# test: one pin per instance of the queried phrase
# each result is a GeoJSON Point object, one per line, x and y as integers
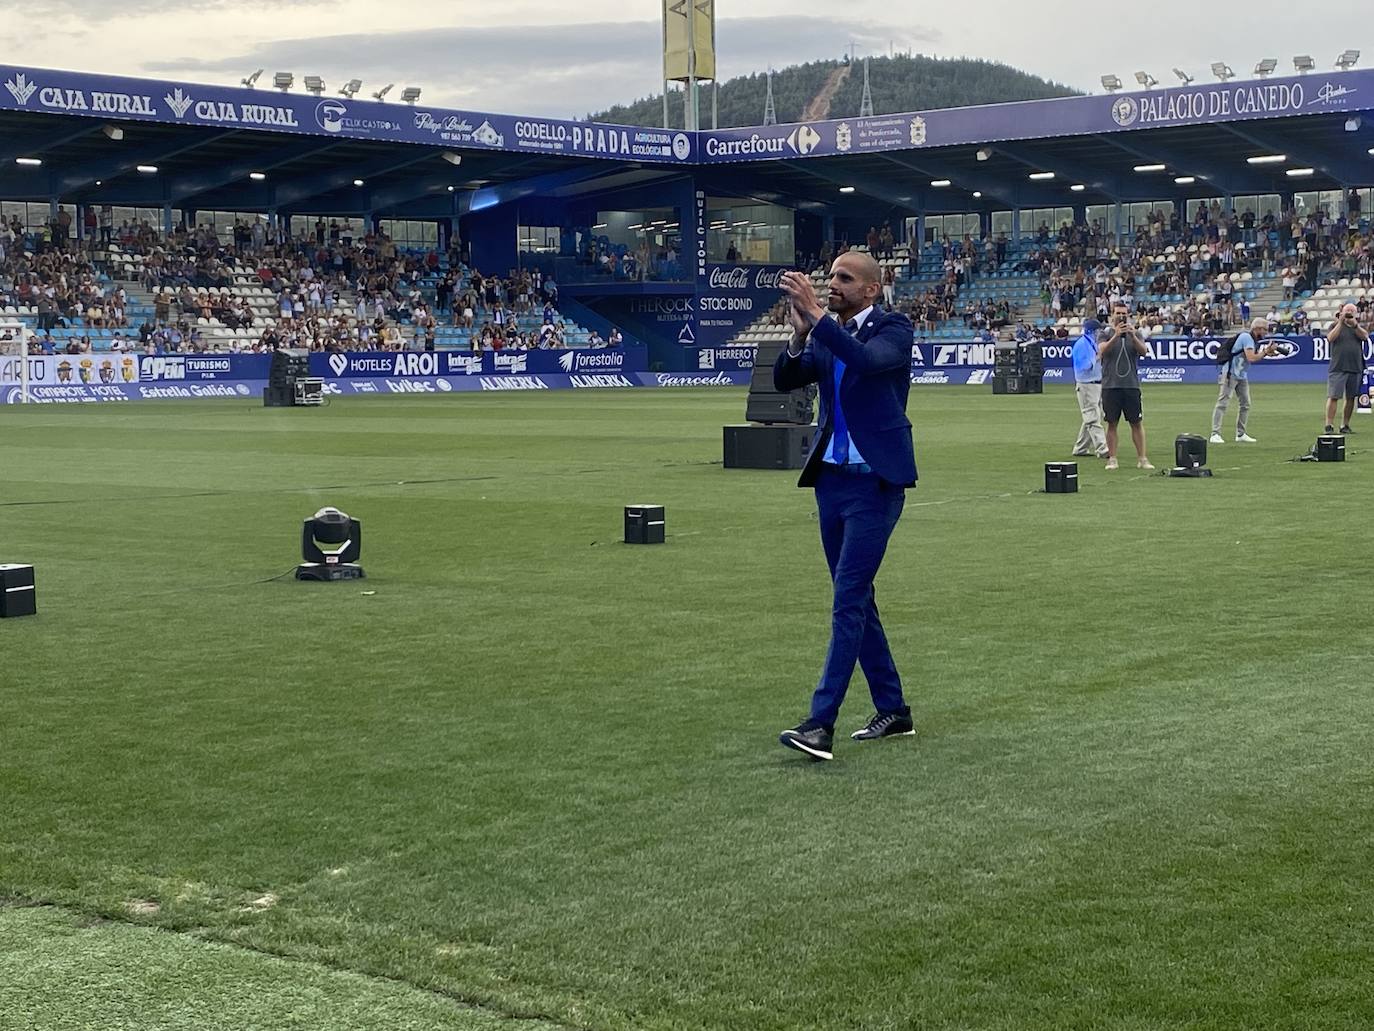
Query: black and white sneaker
{"type": "Point", "coordinates": [815, 739]}
{"type": "Point", "coordinates": [886, 724]}
{"type": "Point", "coordinates": [1346, 429]}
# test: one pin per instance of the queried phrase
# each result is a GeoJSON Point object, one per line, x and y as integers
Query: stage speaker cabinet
{"type": "Point", "coordinates": [793, 407]}
{"type": "Point", "coordinates": [785, 446]}
{"type": "Point", "coordinates": [17, 592]}
{"type": "Point", "coordinates": [288, 363]}
{"type": "Point", "coordinates": [1061, 477]}
{"type": "Point", "coordinates": [1015, 384]}
{"type": "Point", "coordinates": [278, 397]}
{"type": "Point", "coordinates": [644, 524]}
{"type": "Point", "coordinates": [1330, 448]}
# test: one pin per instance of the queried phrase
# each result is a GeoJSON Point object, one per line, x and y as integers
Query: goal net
{"type": "Point", "coordinates": [14, 362]}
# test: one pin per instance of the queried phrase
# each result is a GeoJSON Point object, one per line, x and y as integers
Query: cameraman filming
{"type": "Point", "coordinates": [1120, 350]}
{"type": "Point", "coordinates": [1343, 375]}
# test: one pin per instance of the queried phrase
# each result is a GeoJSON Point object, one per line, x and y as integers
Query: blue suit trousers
{"type": "Point", "coordinates": [857, 516]}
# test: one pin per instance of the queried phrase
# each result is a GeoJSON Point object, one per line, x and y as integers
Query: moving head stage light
{"type": "Point", "coordinates": [1190, 456]}
{"type": "Point", "coordinates": [331, 542]}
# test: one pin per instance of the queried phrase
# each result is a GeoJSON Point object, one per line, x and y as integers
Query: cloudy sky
{"type": "Point", "coordinates": [564, 60]}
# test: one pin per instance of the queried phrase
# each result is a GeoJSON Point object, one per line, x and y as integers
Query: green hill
{"type": "Point", "coordinates": [904, 83]}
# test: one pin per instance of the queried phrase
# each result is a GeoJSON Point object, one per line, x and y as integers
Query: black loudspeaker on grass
{"type": "Point", "coordinates": [1190, 457]}
{"type": "Point", "coordinates": [644, 524]}
{"type": "Point", "coordinates": [18, 596]}
{"type": "Point", "coordinates": [1061, 477]}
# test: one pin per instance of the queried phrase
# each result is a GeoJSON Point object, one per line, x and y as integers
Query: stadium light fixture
{"type": "Point", "coordinates": [977, 194]}
{"type": "Point", "coordinates": [381, 93]}
{"type": "Point", "coordinates": [252, 80]}
{"type": "Point", "coordinates": [1185, 180]}
{"type": "Point", "coordinates": [410, 94]}
{"type": "Point", "coordinates": [1352, 124]}
{"type": "Point", "coordinates": [937, 183]}
{"type": "Point", "coordinates": [1266, 159]}
{"type": "Point", "coordinates": [148, 169]}
{"type": "Point", "coordinates": [452, 157]}
{"type": "Point", "coordinates": [1183, 77]}
{"type": "Point", "coordinates": [257, 177]}
{"type": "Point", "coordinates": [1370, 152]}
{"type": "Point", "coordinates": [28, 162]}
{"type": "Point", "coordinates": [1222, 71]}
{"type": "Point", "coordinates": [357, 182]}
{"type": "Point", "coordinates": [100, 182]}
{"type": "Point", "coordinates": [1303, 63]}
{"type": "Point", "coordinates": [1078, 187]}
{"type": "Point", "coordinates": [1146, 79]}
{"type": "Point", "coordinates": [1300, 173]}
{"type": "Point", "coordinates": [1111, 83]}
{"type": "Point", "coordinates": [283, 81]}
{"type": "Point", "coordinates": [350, 88]}
{"type": "Point", "coordinates": [846, 189]}
{"type": "Point", "coordinates": [314, 84]}
{"type": "Point", "coordinates": [1150, 168]}
{"type": "Point", "coordinates": [1347, 60]}
{"type": "Point", "coordinates": [1266, 67]}
{"type": "Point", "coordinates": [112, 132]}
{"type": "Point", "coordinates": [1038, 176]}
{"type": "Point", "coordinates": [983, 153]}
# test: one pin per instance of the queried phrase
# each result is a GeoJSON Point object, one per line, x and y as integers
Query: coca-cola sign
{"type": "Point", "coordinates": [722, 278]}
{"type": "Point", "coordinates": [768, 279]}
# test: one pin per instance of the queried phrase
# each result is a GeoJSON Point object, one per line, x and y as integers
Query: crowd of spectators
{"type": "Point", "coordinates": [333, 290]}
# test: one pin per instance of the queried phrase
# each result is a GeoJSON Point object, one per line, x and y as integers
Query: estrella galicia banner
{"type": "Point", "coordinates": [104, 96]}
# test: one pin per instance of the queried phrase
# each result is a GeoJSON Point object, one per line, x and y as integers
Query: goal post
{"type": "Point", "coordinates": [14, 361]}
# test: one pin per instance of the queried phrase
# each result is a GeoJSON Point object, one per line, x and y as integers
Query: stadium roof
{"type": "Point", "coordinates": [414, 161]}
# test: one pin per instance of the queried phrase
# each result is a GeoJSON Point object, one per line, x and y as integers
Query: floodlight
{"type": "Point", "coordinates": [1222, 71]}
{"type": "Point", "coordinates": [1183, 77]}
{"type": "Point", "coordinates": [937, 183]}
{"type": "Point", "coordinates": [357, 182]}
{"type": "Point", "coordinates": [1300, 173]}
{"type": "Point", "coordinates": [1078, 187]}
{"type": "Point", "coordinates": [251, 81]}
{"type": "Point", "coordinates": [112, 132]}
{"type": "Point", "coordinates": [410, 94]}
{"type": "Point", "coordinates": [452, 158]}
{"type": "Point", "coordinates": [29, 162]}
{"type": "Point", "coordinates": [314, 84]}
{"type": "Point", "coordinates": [257, 177]}
{"type": "Point", "coordinates": [1303, 63]}
{"type": "Point", "coordinates": [1185, 180]}
{"type": "Point", "coordinates": [846, 189]}
{"type": "Point", "coordinates": [984, 153]}
{"type": "Point", "coordinates": [350, 88]}
{"type": "Point", "coordinates": [331, 542]}
{"type": "Point", "coordinates": [1111, 83]}
{"type": "Point", "coordinates": [1352, 124]}
{"type": "Point", "coordinates": [1347, 60]}
{"type": "Point", "coordinates": [1040, 175]}
{"type": "Point", "coordinates": [1266, 159]}
{"type": "Point", "coordinates": [381, 93]}
{"type": "Point", "coordinates": [1146, 79]}
{"type": "Point", "coordinates": [977, 194]}
{"type": "Point", "coordinates": [283, 81]}
{"type": "Point", "coordinates": [148, 169]}
{"type": "Point", "coordinates": [1149, 168]}
{"type": "Point", "coordinates": [1266, 67]}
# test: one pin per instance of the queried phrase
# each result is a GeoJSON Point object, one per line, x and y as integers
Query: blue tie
{"type": "Point", "coordinates": [842, 427]}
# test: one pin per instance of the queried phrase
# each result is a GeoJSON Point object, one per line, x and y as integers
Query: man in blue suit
{"type": "Point", "coordinates": [860, 466]}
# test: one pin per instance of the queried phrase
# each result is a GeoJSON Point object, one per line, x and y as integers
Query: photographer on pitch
{"type": "Point", "coordinates": [1120, 350]}
{"type": "Point", "coordinates": [1343, 375]}
{"type": "Point", "coordinates": [1235, 379]}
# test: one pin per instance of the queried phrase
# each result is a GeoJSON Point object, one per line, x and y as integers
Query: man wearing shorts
{"type": "Point", "coordinates": [1120, 350]}
{"type": "Point", "coordinates": [1343, 375]}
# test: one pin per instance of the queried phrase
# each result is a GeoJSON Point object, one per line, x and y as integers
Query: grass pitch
{"type": "Point", "coordinates": [533, 780]}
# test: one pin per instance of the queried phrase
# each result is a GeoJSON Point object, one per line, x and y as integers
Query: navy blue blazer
{"type": "Point", "coordinates": [877, 380]}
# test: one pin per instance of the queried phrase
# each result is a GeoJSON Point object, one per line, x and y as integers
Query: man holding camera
{"type": "Point", "coordinates": [1235, 379]}
{"type": "Point", "coordinates": [1343, 375]}
{"type": "Point", "coordinates": [1120, 350]}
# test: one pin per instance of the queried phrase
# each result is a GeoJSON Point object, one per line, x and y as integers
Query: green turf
{"type": "Point", "coordinates": [537, 772]}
